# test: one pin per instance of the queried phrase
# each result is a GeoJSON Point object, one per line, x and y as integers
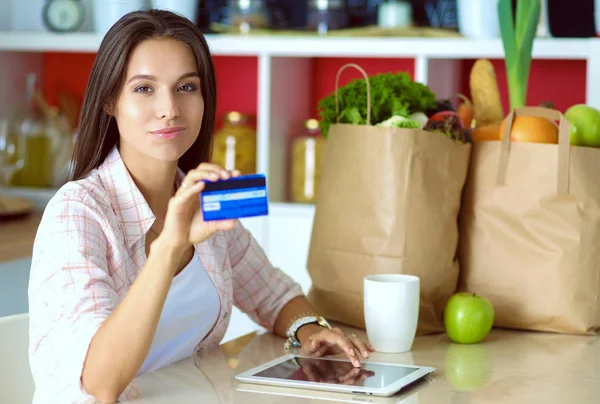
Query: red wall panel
{"type": "Point", "coordinates": [237, 80]}
{"type": "Point", "coordinates": [560, 81]}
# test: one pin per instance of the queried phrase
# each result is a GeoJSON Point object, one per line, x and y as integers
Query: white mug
{"type": "Point", "coordinates": [108, 12]}
{"type": "Point", "coordinates": [185, 8]}
{"type": "Point", "coordinates": [391, 304]}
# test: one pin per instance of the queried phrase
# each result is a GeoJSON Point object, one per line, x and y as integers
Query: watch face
{"type": "Point", "coordinates": [63, 15]}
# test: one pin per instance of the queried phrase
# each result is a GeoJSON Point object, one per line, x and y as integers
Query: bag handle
{"type": "Point", "coordinates": [337, 83]}
{"type": "Point", "coordinates": [564, 144]}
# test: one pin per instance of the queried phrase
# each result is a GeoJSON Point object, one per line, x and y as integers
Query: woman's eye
{"type": "Point", "coordinates": [143, 89]}
{"type": "Point", "coordinates": [187, 87]}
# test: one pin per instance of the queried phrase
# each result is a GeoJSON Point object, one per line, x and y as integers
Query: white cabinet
{"type": "Point", "coordinates": [289, 239]}
{"type": "Point", "coordinates": [14, 281]}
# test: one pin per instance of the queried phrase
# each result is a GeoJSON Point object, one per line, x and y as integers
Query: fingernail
{"type": "Point", "coordinates": [314, 343]}
{"type": "Point", "coordinates": [366, 354]}
{"type": "Point", "coordinates": [352, 353]}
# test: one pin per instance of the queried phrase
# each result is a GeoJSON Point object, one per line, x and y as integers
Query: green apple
{"type": "Point", "coordinates": [468, 367]}
{"type": "Point", "coordinates": [468, 318]}
{"type": "Point", "coordinates": [585, 125]}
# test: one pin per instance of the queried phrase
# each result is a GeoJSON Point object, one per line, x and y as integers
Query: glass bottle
{"type": "Point", "coordinates": [27, 130]}
{"type": "Point", "coordinates": [307, 152]}
{"type": "Point", "coordinates": [234, 145]}
{"type": "Point", "coordinates": [247, 14]}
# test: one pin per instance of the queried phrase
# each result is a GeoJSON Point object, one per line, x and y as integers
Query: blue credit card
{"type": "Point", "coordinates": [244, 196]}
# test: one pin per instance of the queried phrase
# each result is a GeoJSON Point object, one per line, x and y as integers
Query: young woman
{"type": "Point", "coordinates": [126, 276]}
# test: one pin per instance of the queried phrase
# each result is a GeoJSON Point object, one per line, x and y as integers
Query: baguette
{"type": "Point", "coordinates": [485, 94]}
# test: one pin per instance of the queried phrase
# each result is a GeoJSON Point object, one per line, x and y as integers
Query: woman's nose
{"type": "Point", "coordinates": [167, 107]}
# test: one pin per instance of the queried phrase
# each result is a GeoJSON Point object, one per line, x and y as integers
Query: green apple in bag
{"type": "Point", "coordinates": [585, 125]}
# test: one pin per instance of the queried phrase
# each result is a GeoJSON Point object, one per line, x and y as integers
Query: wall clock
{"type": "Point", "coordinates": [63, 15]}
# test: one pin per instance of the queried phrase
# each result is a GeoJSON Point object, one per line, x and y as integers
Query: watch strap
{"type": "Point", "coordinates": [292, 331]}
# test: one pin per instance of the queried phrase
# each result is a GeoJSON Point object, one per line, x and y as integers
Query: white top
{"type": "Point", "coordinates": [190, 311]}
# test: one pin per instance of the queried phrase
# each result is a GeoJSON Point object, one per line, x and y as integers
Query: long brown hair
{"type": "Point", "coordinates": [97, 129]}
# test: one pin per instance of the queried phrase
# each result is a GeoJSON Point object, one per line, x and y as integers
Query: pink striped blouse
{"type": "Point", "coordinates": [88, 250]}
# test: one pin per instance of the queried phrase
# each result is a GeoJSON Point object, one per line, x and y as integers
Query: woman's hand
{"type": "Point", "coordinates": [184, 225]}
{"type": "Point", "coordinates": [319, 341]}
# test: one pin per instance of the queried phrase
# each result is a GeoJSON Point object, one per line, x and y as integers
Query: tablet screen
{"type": "Point", "coordinates": [336, 372]}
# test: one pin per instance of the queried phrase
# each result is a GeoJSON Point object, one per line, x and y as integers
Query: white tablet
{"type": "Point", "coordinates": [339, 375]}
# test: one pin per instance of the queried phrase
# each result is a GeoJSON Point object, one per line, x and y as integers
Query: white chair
{"type": "Point", "coordinates": [16, 382]}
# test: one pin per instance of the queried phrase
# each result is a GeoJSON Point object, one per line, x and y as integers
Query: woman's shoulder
{"type": "Point", "coordinates": [78, 216]}
{"type": "Point", "coordinates": [85, 195]}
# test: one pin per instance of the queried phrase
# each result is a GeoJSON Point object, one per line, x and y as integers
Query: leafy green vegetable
{"type": "Point", "coordinates": [391, 94]}
{"type": "Point", "coordinates": [398, 121]}
{"type": "Point", "coordinates": [518, 43]}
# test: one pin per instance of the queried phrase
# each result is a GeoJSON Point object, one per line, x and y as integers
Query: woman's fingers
{"type": "Point", "coordinates": [321, 351]}
{"type": "Point", "coordinates": [360, 345]}
{"type": "Point", "coordinates": [185, 195]}
{"type": "Point", "coordinates": [205, 172]}
{"type": "Point", "coordinates": [210, 167]}
{"type": "Point", "coordinates": [214, 226]}
{"type": "Point", "coordinates": [334, 338]}
{"type": "Point", "coordinates": [363, 347]}
{"type": "Point", "coordinates": [312, 347]}
{"type": "Point", "coordinates": [317, 350]}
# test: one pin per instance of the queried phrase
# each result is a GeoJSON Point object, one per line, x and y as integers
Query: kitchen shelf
{"type": "Point", "coordinates": [302, 46]}
{"type": "Point", "coordinates": [286, 67]}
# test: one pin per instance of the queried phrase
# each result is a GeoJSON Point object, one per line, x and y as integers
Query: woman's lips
{"type": "Point", "coordinates": [168, 133]}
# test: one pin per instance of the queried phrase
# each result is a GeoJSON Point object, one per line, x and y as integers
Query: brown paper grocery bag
{"type": "Point", "coordinates": [530, 231]}
{"type": "Point", "coordinates": [388, 203]}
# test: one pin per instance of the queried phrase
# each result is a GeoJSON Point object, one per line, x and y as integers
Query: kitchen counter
{"type": "Point", "coordinates": [508, 367]}
{"type": "Point", "coordinates": [17, 235]}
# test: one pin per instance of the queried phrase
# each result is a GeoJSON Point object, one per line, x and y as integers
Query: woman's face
{"type": "Point", "coordinates": [160, 106]}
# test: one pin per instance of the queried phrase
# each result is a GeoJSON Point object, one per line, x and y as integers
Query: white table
{"type": "Point", "coordinates": [508, 367]}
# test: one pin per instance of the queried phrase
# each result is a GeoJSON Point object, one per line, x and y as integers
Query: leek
{"type": "Point", "coordinates": [518, 44]}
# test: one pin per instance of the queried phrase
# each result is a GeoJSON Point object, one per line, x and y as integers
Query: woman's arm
{"type": "Point", "coordinates": [295, 307]}
{"type": "Point", "coordinates": [120, 346]}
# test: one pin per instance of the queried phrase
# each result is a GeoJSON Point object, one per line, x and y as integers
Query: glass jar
{"type": "Point", "coordinates": [326, 15]}
{"type": "Point", "coordinates": [27, 131]}
{"type": "Point", "coordinates": [305, 173]}
{"type": "Point", "coordinates": [234, 145]}
{"type": "Point", "coordinates": [247, 14]}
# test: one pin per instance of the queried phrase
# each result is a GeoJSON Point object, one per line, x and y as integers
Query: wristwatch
{"type": "Point", "coordinates": [292, 332]}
